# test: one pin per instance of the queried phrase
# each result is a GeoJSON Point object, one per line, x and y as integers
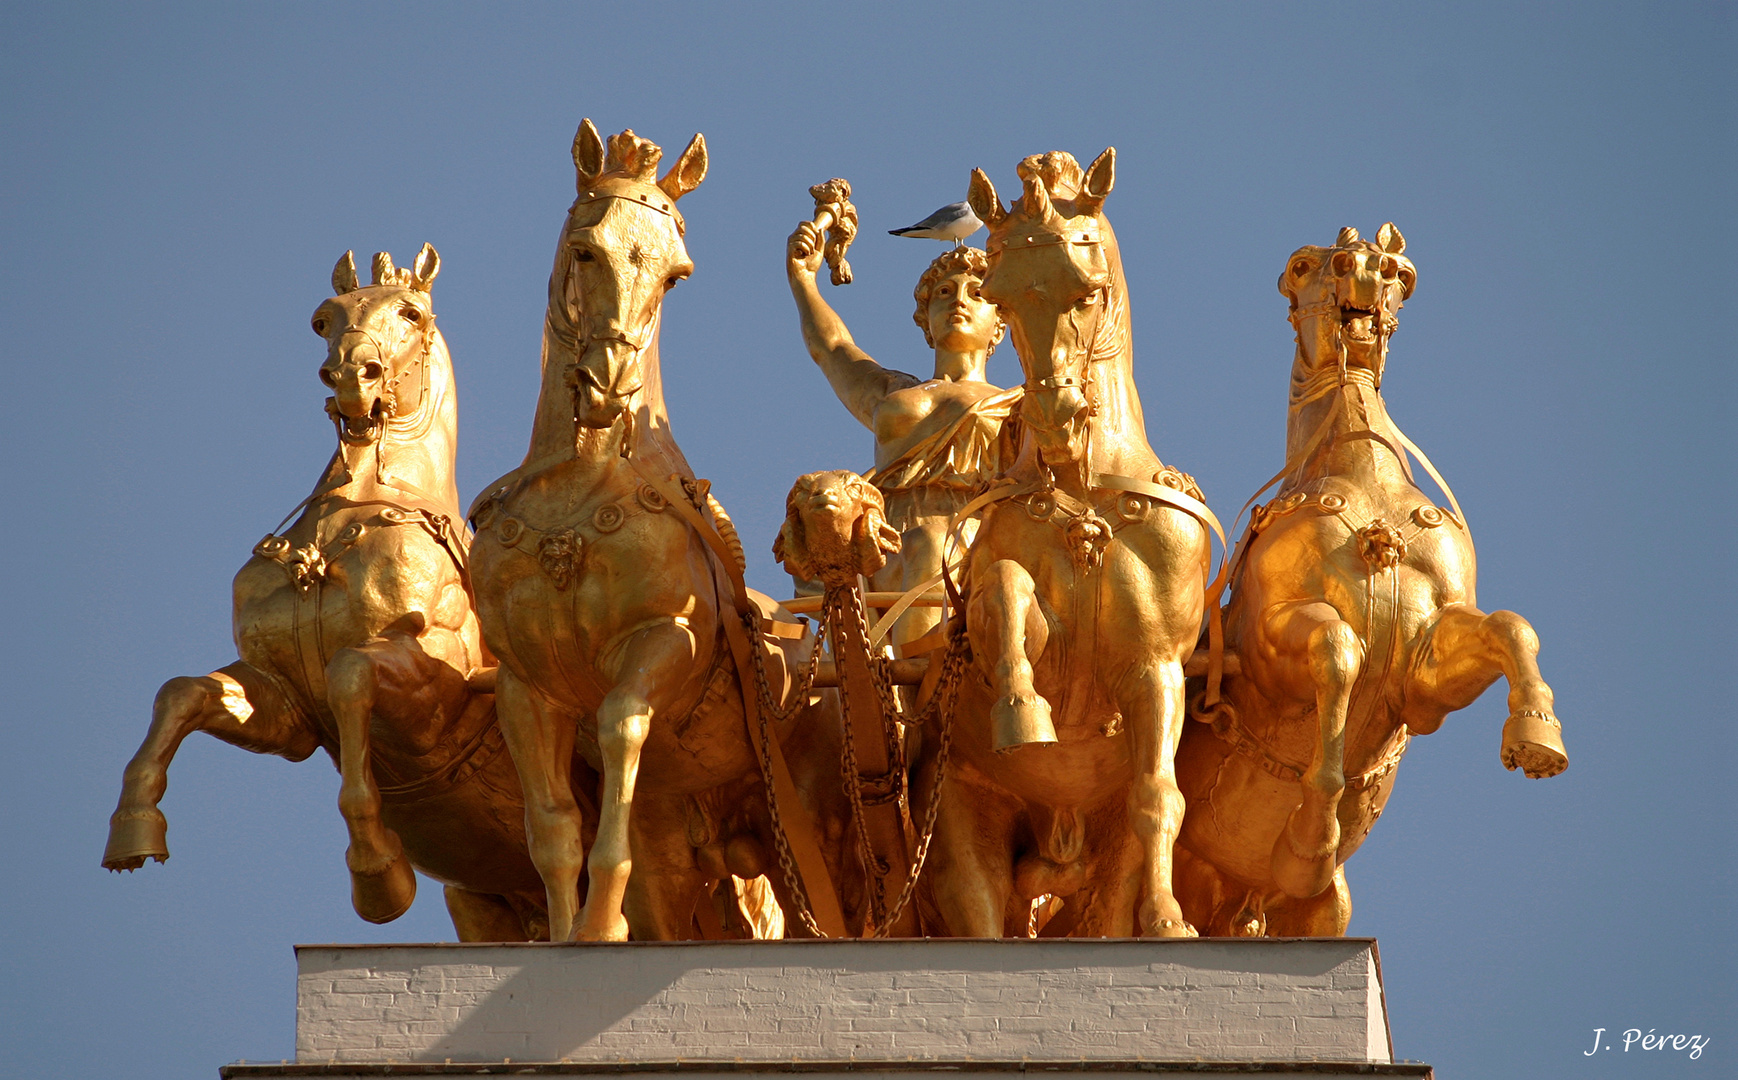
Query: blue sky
{"type": "Point", "coordinates": [177, 181]}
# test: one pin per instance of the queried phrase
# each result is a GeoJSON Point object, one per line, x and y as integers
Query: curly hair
{"type": "Point", "coordinates": [960, 260]}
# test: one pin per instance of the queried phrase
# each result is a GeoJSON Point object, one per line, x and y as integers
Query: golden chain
{"type": "Point", "coordinates": [941, 705]}
{"type": "Point", "coordinates": [786, 861]}
{"type": "Point", "coordinates": [952, 673]}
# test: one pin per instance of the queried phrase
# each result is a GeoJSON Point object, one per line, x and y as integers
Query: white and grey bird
{"type": "Point", "coordinates": [955, 222]}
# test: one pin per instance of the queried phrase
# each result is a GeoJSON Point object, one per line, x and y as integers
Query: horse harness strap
{"type": "Point", "coordinates": [1233, 735]}
{"type": "Point", "coordinates": [307, 564]}
{"type": "Point", "coordinates": [803, 837]}
{"type": "Point", "coordinates": [481, 749]}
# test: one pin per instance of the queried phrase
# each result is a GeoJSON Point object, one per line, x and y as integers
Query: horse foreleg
{"type": "Point", "coordinates": [1153, 705]}
{"type": "Point", "coordinates": [1468, 650]}
{"type": "Point", "coordinates": [1009, 630]}
{"type": "Point", "coordinates": [1305, 854]}
{"type": "Point", "coordinates": [391, 675]}
{"type": "Point", "coordinates": [541, 742]}
{"type": "Point", "coordinates": [236, 704]}
{"type": "Point", "coordinates": [660, 656]}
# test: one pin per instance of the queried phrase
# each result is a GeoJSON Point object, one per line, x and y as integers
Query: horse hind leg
{"type": "Point", "coordinates": [1324, 915]}
{"type": "Point", "coordinates": [484, 916]}
{"type": "Point", "coordinates": [1468, 650]}
{"type": "Point", "coordinates": [1305, 856]}
{"type": "Point", "coordinates": [235, 704]}
{"type": "Point", "coordinates": [1009, 630]}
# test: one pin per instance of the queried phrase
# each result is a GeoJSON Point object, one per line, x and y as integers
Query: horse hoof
{"type": "Point", "coordinates": [1169, 928]}
{"type": "Point", "coordinates": [1015, 723]}
{"type": "Point", "coordinates": [135, 836]}
{"type": "Point", "coordinates": [615, 930]}
{"type": "Point", "coordinates": [1533, 743]}
{"type": "Point", "coordinates": [382, 895]}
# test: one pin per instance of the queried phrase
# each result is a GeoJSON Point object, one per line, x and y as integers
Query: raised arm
{"type": "Point", "coordinates": [857, 379]}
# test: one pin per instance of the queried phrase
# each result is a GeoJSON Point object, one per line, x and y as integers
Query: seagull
{"type": "Point", "coordinates": [955, 222]}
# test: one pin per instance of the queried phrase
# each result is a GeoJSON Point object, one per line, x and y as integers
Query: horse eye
{"type": "Point", "coordinates": [584, 255]}
{"type": "Point", "coordinates": [410, 315]}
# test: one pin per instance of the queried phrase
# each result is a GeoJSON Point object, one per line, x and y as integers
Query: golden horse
{"type": "Point", "coordinates": [356, 636]}
{"type": "Point", "coordinates": [1084, 598]}
{"type": "Point", "coordinates": [609, 583]}
{"type": "Point", "coordinates": [1354, 625]}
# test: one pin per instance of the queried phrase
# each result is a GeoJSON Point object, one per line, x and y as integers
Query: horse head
{"type": "Point", "coordinates": [1345, 304]}
{"type": "Point", "coordinates": [1051, 274]}
{"type": "Point", "coordinates": [378, 339]}
{"type": "Point", "coordinates": [621, 251]}
{"type": "Point", "coordinates": [835, 529]}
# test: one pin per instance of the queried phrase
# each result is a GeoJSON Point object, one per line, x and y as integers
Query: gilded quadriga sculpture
{"type": "Point", "coordinates": [1020, 707]}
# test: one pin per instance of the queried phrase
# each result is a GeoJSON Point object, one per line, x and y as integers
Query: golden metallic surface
{"type": "Point", "coordinates": [1354, 619]}
{"type": "Point", "coordinates": [985, 732]}
{"type": "Point", "coordinates": [1084, 601]}
{"type": "Point", "coordinates": [609, 584]}
{"type": "Point", "coordinates": [937, 439]}
{"type": "Point", "coordinates": [356, 636]}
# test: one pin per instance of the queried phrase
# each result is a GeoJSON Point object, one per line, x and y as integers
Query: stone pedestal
{"type": "Point", "coordinates": [1225, 1007]}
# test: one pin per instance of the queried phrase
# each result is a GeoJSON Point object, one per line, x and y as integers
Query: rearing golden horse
{"type": "Point", "coordinates": [356, 635]}
{"type": "Point", "coordinates": [609, 584]}
{"type": "Point", "coordinates": [1085, 598]}
{"type": "Point", "coordinates": [1354, 623]}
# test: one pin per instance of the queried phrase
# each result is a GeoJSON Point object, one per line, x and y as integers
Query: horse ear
{"type": "Point", "coordinates": [384, 271]}
{"type": "Point", "coordinates": [1388, 238]}
{"type": "Point", "coordinates": [344, 275]}
{"type": "Point", "coordinates": [1100, 179]}
{"type": "Point", "coordinates": [587, 154]}
{"type": "Point", "coordinates": [1348, 235]}
{"type": "Point", "coordinates": [689, 170]}
{"type": "Point", "coordinates": [428, 264]}
{"type": "Point", "coordinates": [984, 201]}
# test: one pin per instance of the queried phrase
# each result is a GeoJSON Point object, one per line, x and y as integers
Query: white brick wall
{"type": "Point", "coordinates": [1056, 1001]}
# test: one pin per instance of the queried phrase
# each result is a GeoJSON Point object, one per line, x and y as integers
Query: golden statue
{"type": "Point", "coordinates": [1085, 591]}
{"type": "Point", "coordinates": [1352, 623]}
{"type": "Point", "coordinates": [609, 583]}
{"type": "Point", "coordinates": [937, 440]}
{"type": "Point", "coordinates": [664, 753]}
{"type": "Point", "coordinates": [356, 636]}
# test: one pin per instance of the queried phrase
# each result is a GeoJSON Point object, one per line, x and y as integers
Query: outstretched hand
{"type": "Point", "coordinates": [805, 249]}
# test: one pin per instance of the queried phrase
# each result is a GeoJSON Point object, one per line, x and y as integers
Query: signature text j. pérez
{"type": "Point", "coordinates": [1695, 1044]}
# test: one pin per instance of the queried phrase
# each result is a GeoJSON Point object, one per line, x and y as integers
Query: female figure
{"type": "Point", "coordinates": [936, 440]}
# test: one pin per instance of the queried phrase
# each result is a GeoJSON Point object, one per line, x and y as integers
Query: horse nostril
{"type": "Point", "coordinates": [371, 370]}
{"type": "Point", "coordinates": [328, 378]}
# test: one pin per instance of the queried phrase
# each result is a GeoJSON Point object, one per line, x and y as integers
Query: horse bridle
{"type": "Point", "coordinates": [562, 327]}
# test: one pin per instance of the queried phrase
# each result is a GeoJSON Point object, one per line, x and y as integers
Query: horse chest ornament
{"type": "Point", "coordinates": [560, 549]}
